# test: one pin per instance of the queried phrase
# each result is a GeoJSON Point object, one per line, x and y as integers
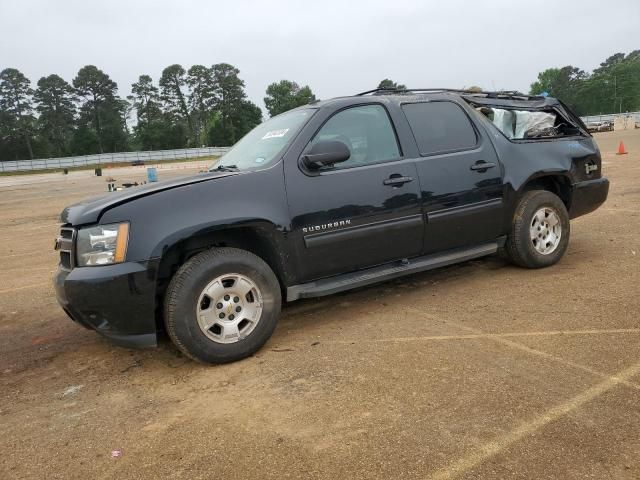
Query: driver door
{"type": "Point", "coordinates": [359, 213]}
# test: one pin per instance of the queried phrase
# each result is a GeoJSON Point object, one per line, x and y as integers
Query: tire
{"type": "Point", "coordinates": [539, 252]}
{"type": "Point", "coordinates": [202, 285]}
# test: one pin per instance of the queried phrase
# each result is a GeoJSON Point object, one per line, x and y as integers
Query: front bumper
{"type": "Point", "coordinates": [587, 196]}
{"type": "Point", "coordinates": [117, 301]}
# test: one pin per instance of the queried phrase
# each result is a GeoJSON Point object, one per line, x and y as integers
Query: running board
{"type": "Point", "coordinates": [347, 281]}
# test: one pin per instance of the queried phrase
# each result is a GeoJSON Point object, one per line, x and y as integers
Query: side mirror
{"type": "Point", "coordinates": [326, 152]}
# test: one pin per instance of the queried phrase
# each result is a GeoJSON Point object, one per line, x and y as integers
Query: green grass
{"type": "Point", "coordinates": [105, 166]}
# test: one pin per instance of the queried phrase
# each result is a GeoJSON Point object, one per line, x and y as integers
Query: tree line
{"type": "Point", "coordinates": [208, 106]}
{"type": "Point", "coordinates": [186, 108]}
{"type": "Point", "coordinates": [613, 87]}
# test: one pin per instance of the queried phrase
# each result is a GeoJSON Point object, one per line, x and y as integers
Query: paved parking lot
{"type": "Point", "coordinates": [481, 370]}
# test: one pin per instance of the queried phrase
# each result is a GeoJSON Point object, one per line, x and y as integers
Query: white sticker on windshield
{"type": "Point", "coordinates": [275, 133]}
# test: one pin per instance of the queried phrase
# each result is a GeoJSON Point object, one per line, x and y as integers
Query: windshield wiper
{"type": "Point", "coordinates": [226, 168]}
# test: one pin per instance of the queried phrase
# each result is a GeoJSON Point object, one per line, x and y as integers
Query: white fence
{"type": "Point", "coordinates": [609, 117]}
{"type": "Point", "coordinates": [102, 158]}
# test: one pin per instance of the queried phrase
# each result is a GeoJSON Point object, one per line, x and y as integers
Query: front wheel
{"type": "Point", "coordinates": [540, 230]}
{"type": "Point", "coordinates": [222, 305]}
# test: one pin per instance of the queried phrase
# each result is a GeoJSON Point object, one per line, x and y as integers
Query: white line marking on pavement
{"type": "Point", "coordinates": [498, 445]}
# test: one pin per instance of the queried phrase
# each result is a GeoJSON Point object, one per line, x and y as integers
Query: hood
{"type": "Point", "coordinates": [90, 210]}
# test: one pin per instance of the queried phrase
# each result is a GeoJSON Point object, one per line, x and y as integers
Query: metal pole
{"type": "Point", "coordinates": [615, 92]}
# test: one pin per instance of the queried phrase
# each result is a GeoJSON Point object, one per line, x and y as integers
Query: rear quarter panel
{"type": "Point", "coordinates": [524, 161]}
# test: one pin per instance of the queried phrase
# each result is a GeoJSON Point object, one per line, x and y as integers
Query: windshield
{"type": "Point", "coordinates": [261, 146]}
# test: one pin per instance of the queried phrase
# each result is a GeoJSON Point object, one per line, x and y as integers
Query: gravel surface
{"type": "Point", "coordinates": [480, 370]}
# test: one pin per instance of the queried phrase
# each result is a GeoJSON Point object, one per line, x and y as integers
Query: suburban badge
{"type": "Point", "coordinates": [326, 226]}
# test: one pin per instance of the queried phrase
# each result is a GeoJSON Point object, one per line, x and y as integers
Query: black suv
{"type": "Point", "coordinates": [330, 196]}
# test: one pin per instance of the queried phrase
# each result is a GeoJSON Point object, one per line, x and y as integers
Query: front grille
{"type": "Point", "coordinates": [65, 245]}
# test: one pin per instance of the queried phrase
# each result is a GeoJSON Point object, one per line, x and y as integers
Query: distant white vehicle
{"type": "Point", "coordinates": [606, 126]}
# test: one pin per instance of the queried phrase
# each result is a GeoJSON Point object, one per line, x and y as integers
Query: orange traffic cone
{"type": "Point", "coordinates": [621, 150]}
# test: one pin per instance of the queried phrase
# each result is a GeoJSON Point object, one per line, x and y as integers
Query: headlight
{"type": "Point", "coordinates": [102, 245]}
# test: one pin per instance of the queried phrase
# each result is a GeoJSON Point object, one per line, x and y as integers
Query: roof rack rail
{"type": "Point", "coordinates": [383, 89]}
{"type": "Point", "coordinates": [488, 94]}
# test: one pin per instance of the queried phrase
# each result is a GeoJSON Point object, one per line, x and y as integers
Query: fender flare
{"type": "Point", "coordinates": [270, 236]}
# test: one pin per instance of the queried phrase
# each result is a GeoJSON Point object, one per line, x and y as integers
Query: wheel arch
{"type": "Point", "coordinates": [259, 237]}
{"type": "Point", "coordinates": [558, 183]}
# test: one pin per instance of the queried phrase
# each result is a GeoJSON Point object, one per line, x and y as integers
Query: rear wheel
{"type": "Point", "coordinates": [540, 230]}
{"type": "Point", "coordinates": [222, 305]}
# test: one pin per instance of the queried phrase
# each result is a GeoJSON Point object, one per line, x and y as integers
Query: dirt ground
{"type": "Point", "coordinates": [481, 370]}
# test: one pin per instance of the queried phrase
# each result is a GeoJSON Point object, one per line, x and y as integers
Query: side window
{"type": "Point", "coordinates": [440, 127]}
{"type": "Point", "coordinates": [367, 132]}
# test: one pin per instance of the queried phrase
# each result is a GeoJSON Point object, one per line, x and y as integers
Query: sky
{"type": "Point", "coordinates": [336, 47]}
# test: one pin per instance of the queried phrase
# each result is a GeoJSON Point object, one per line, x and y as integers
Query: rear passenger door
{"type": "Point", "coordinates": [460, 176]}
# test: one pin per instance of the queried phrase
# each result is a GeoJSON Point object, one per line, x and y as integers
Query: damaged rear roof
{"type": "Point", "coordinates": [511, 102]}
{"type": "Point", "coordinates": [507, 98]}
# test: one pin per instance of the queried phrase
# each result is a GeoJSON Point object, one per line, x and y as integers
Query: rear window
{"type": "Point", "coordinates": [440, 127]}
{"type": "Point", "coordinates": [529, 124]}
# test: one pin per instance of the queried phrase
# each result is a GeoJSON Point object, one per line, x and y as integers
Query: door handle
{"type": "Point", "coordinates": [397, 180]}
{"type": "Point", "coordinates": [482, 166]}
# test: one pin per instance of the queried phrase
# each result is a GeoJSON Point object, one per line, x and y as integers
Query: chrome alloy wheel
{"type": "Point", "coordinates": [229, 308]}
{"type": "Point", "coordinates": [545, 230]}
